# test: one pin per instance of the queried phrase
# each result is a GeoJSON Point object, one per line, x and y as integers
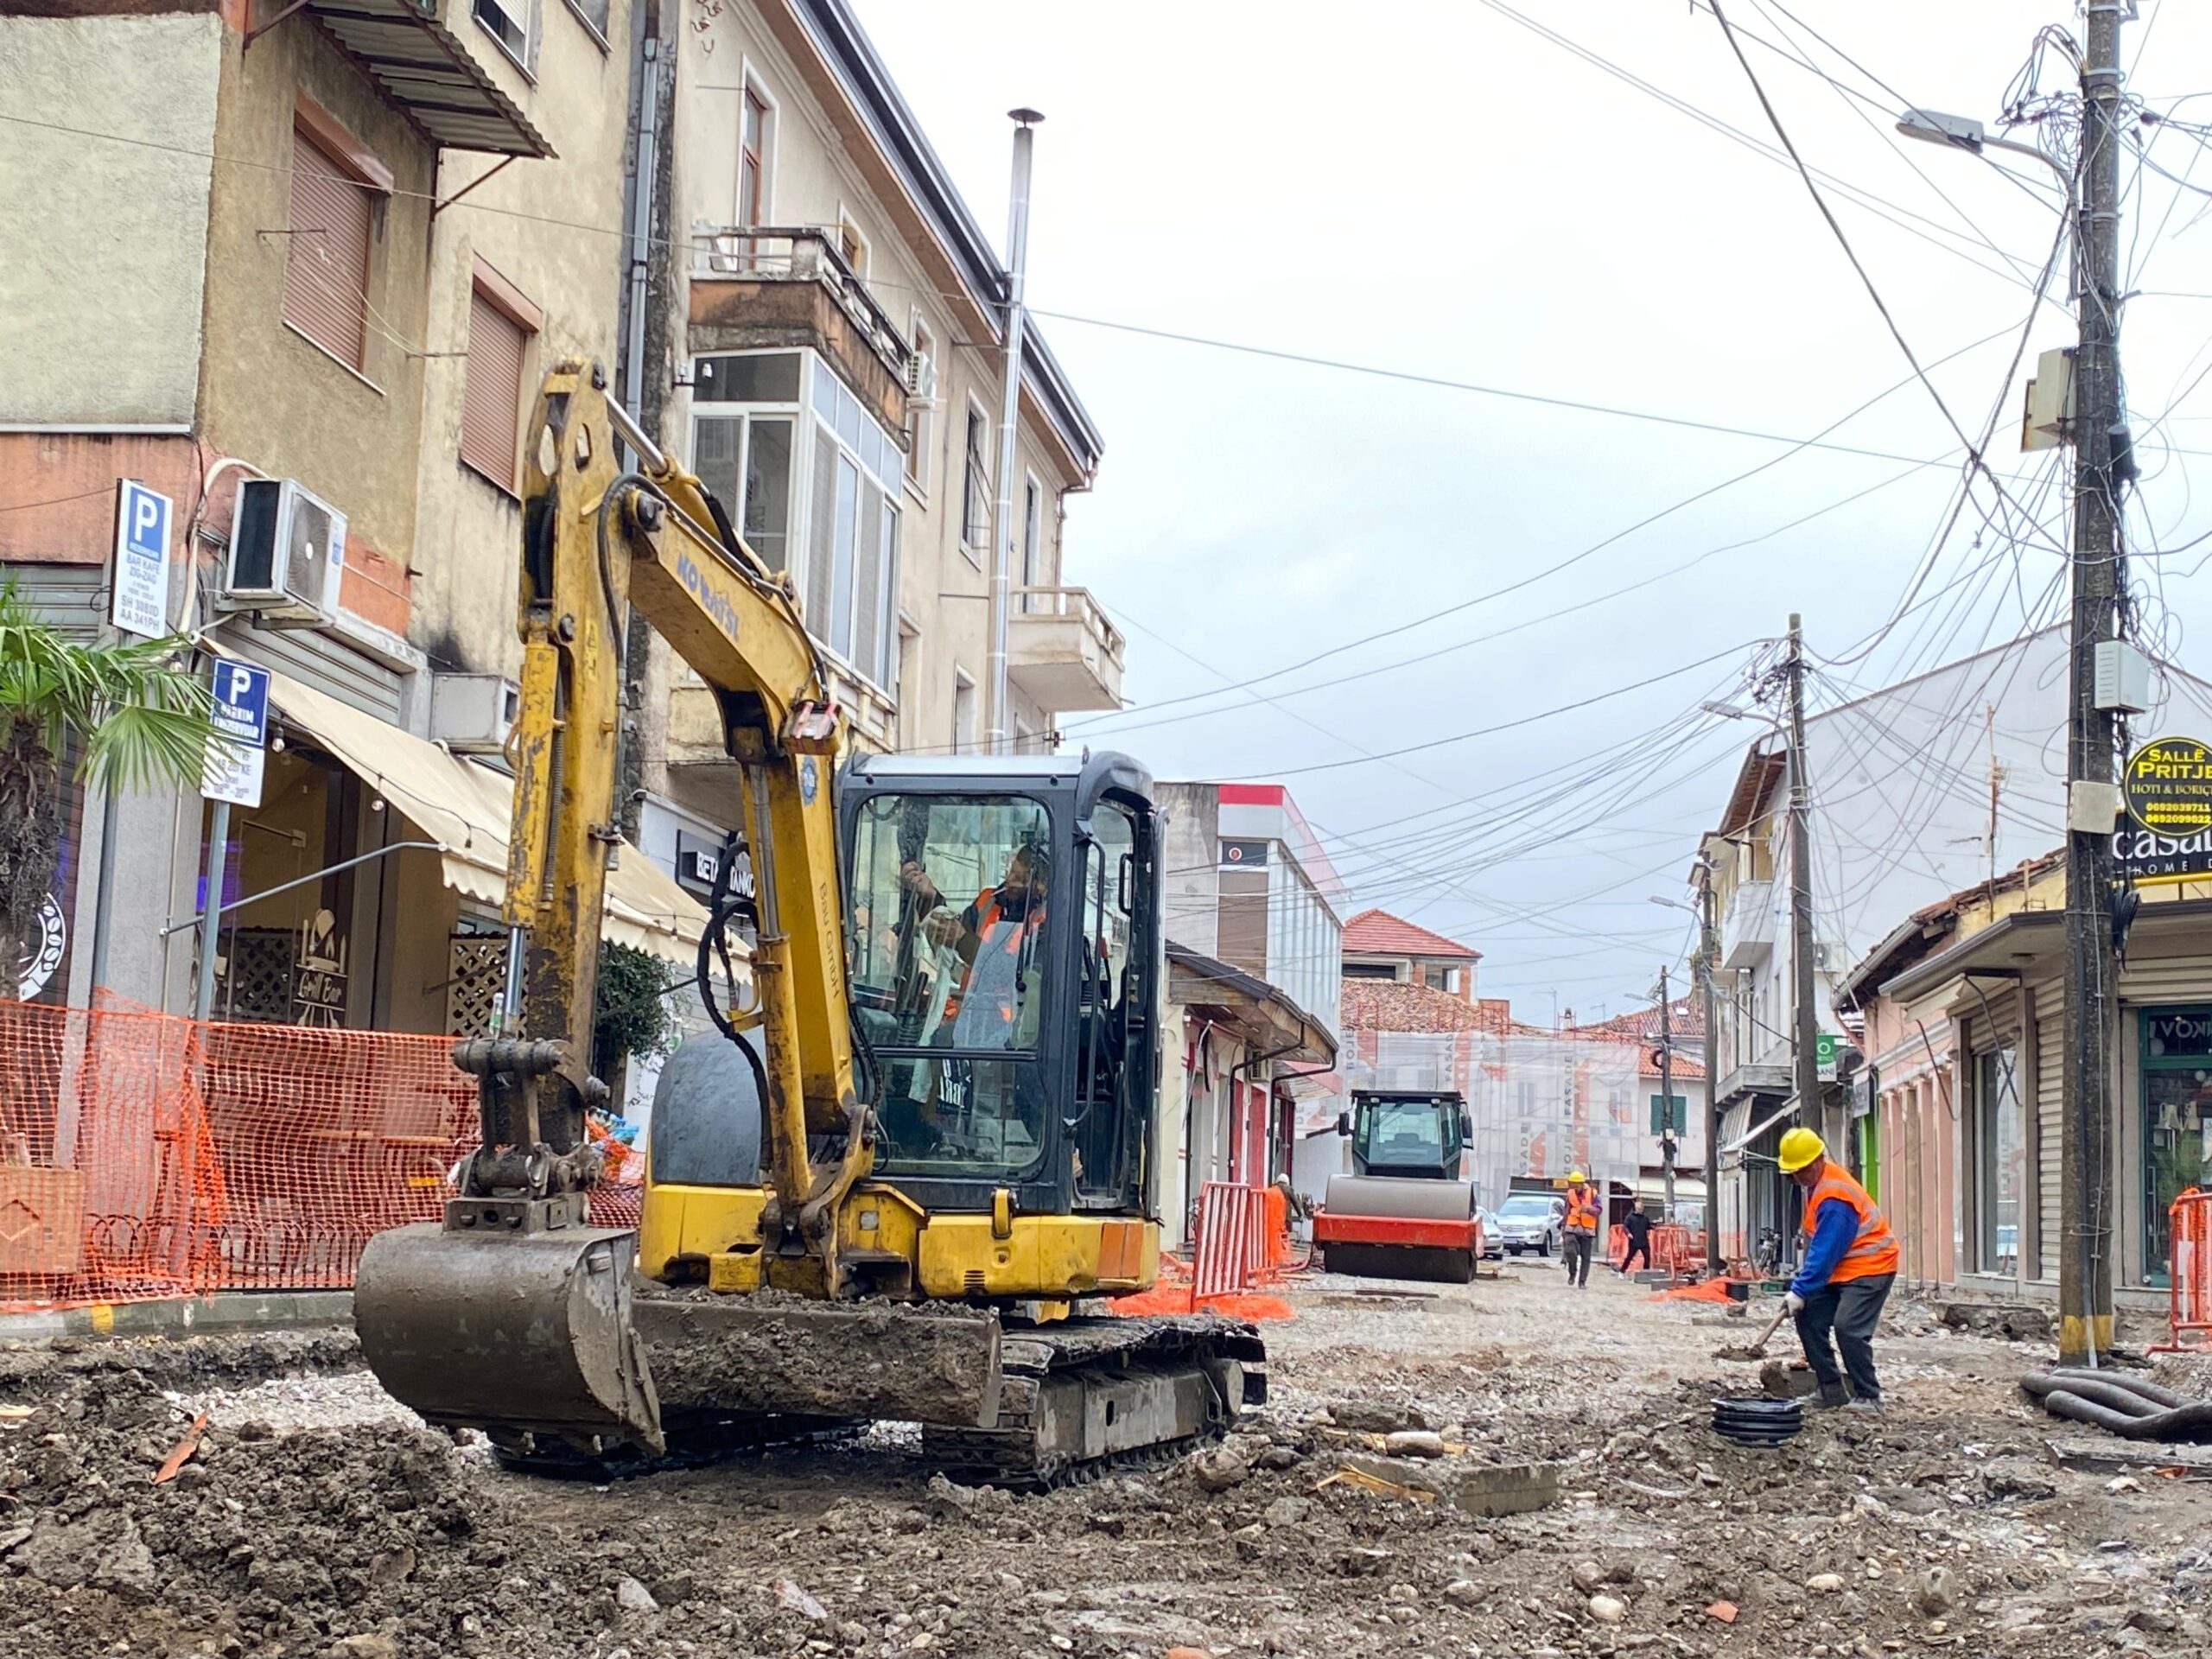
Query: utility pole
{"type": "Point", "coordinates": [1004, 530]}
{"type": "Point", "coordinates": [1667, 1147]}
{"type": "Point", "coordinates": [1708, 955]}
{"type": "Point", "coordinates": [1806, 1042]}
{"type": "Point", "coordinates": [2085, 1147]}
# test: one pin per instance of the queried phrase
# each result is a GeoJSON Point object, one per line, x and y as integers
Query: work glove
{"type": "Point", "coordinates": [1793, 1304]}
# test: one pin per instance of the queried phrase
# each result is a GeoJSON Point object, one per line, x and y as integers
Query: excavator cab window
{"type": "Point", "coordinates": [952, 935]}
{"type": "Point", "coordinates": [1111, 967]}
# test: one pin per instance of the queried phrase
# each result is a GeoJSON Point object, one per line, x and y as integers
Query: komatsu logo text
{"type": "Point", "coordinates": [711, 599]}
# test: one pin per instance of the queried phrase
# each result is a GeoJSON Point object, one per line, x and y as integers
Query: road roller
{"type": "Point", "coordinates": [1405, 1212]}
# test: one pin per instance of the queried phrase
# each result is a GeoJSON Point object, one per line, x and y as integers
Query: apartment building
{"type": "Point", "coordinates": [1255, 916]}
{"type": "Point", "coordinates": [823, 337]}
{"type": "Point", "coordinates": [313, 260]}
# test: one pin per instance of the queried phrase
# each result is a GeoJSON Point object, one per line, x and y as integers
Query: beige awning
{"type": "Point", "coordinates": [465, 808]}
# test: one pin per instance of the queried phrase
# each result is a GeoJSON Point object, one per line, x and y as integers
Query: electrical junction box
{"type": "Point", "coordinates": [2048, 420]}
{"type": "Point", "coordinates": [2122, 677]}
{"type": "Point", "coordinates": [2092, 809]}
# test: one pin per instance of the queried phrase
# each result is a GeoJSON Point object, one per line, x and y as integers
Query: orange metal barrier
{"type": "Point", "coordinates": [146, 1156]}
{"type": "Point", "coordinates": [1676, 1248]}
{"type": "Point", "coordinates": [1233, 1246]}
{"type": "Point", "coordinates": [2189, 1274]}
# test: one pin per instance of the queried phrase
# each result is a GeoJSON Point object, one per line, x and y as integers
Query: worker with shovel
{"type": "Point", "coordinates": [1850, 1264]}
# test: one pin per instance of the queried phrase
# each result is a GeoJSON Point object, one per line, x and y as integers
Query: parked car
{"type": "Point", "coordinates": [1530, 1221]}
{"type": "Point", "coordinates": [1493, 1239]}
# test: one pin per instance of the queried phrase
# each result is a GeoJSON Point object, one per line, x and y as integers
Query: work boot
{"type": "Point", "coordinates": [1872, 1406]}
{"type": "Point", "coordinates": [1832, 1396]}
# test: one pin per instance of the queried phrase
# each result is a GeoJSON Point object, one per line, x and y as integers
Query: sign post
{"type": "Point", "coordinates": [141, 600]}
{"type": "Point", "coordinates": [231, 776]}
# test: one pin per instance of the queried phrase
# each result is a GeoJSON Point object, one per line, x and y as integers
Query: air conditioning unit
{"type": "Point", "coordinates": [471, 714]}
{"type": "Point", "coordinates": [921, 381]}
{"type": "Point", "coordinates": [287, 555]}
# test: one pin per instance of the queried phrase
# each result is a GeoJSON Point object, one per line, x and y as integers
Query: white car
{"type": "Point", "coordinates": [1530, 1221]}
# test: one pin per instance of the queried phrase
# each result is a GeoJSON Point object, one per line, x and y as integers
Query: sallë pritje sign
{"type": "Point", "coordinates": [2168, 784]}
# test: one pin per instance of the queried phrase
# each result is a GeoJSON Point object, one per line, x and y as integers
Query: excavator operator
{"type": "Point", "coordinates": [997, 937]}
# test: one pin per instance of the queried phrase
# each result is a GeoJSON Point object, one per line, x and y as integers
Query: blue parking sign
{"type": "Point", "coordinates": [241, 714]}
{"type": "Point", "coordinates": [142, 561]}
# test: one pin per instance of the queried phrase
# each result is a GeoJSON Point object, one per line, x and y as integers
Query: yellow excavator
{"type": "Point", "coordinates": [898, 1182]}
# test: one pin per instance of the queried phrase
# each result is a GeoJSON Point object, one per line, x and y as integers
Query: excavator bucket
{"type": "Point", "coordinates": [522, 1332]}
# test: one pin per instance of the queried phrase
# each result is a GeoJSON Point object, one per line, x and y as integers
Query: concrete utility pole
{"type": "Point", "coordinates": [1667, 1147]}
{"type": "Point", "coordinates": [2085, 1146]}
{"type": "Point", "coordinates": [1708, 956]}
{"type": "Point", "coordinates": [1004, 531]}
{"type": "Point", "coordinates": [1806, 1042]}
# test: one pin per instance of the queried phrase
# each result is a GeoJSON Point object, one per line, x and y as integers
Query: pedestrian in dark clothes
{"type": "Point", "coordinates": [1637, 1226]}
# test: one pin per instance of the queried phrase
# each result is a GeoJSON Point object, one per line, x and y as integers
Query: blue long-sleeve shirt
{"type": "Point", "coordinates": [1836, 1226]}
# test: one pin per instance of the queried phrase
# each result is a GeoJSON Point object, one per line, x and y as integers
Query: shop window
{"type": "Point", "coordinates": [1999, 1160]}
{"type": "Point", "coordinates": [2176, 1055]}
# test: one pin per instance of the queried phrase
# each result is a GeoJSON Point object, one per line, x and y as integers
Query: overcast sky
{"type": "Point", "coordinates": [1439, 189]}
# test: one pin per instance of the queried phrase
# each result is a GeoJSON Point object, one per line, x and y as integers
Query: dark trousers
{"type": "Point", "coordinates": [1851, 1310]}
{"type": "Point", "coordinates": [1578, 1247]}
{"type": "Point", "coordinates": [1636, 1246]}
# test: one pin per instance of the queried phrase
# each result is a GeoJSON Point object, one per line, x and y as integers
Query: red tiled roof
{"type": "Point", "coordinates": [1395, 1005]}
{"type": "Point", "coordinates": [1378, 933]}
{"type": "Point", "coordinates": [1641, 1025]}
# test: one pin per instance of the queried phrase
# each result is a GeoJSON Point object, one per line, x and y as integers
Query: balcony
{"type": "Point", "coordinates": [431, 59]}
{"type": "Point", "coordinates": [1747, 930]}
{"type": "Point", "coordinates": [783, 286]}
{"type": "Point", "coordinates": [1062, 653]}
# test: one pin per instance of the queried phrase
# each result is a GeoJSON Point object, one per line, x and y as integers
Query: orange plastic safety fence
{"type": "Point", "coordinates": [2189, 1267]}
{"type": "Point", "coordinates": [144, 1154]}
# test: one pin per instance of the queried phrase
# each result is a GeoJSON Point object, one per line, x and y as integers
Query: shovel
{"type": "Point", "coordinates": [1758, 1349]}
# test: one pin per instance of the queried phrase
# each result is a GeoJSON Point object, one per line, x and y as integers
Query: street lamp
{"type": "Point", "coordinates": [1964, 132]}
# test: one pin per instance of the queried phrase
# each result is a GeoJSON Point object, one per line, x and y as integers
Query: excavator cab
{"type": "Point", "coordinates": [1004, 963]}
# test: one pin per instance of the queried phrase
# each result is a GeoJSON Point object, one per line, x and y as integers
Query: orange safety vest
{"type": "Point", "coordinates": [1582, 1211]}
{"type": "Point", "coordinates": [1874, 1247]}
{"type": "Point", "coordinates": [986, 918]}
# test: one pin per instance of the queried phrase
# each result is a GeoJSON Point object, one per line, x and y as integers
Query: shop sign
{"type": "Point", "coordinates": [2148, 860]}
{"type": "Point", "coordinates": [2178, 1033]}
{"type": "Point", "coordinates": [696, 861]}
{"type": "Point", "coordinates": [2168, 787]}
{"type": "Point", "coordinates": [1827, 1046]}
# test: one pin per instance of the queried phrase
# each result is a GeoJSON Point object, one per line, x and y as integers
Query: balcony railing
{"type": "Point", "coordinates": [799, 253]}
{"type": "Point", "coordinates": [1063, 651]}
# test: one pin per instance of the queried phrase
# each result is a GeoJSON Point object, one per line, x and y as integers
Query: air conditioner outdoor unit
{"type": "Point", "coordinates": [287, 555]}
{"type": "Point", "coordinates": [471, 714]}
{"type": "Point", "coordinates": [921, 379]}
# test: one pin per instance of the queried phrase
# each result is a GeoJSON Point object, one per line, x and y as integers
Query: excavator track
{"type": "Point", "coordinates": [1090, 1396]}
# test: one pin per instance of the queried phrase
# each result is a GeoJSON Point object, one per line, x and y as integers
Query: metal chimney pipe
{"type": "Point", "coordinates": [1004, 530]}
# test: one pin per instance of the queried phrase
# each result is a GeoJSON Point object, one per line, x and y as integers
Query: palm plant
{"type": "Point", "coordinates": [131, 718]}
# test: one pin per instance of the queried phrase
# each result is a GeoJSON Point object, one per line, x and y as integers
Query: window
{"type": "Point", "coordinates": [976, 497]}
{"type": "Point", "coordinates": [952, 932]}
{"type": "Point", "coordinates": [500, 323]}
{"type": "Point", "coordinates": [594, 12]}
{"type": "Point", "coordinates": [513, 24]}
{"type": "Point", "coordinates": [337, 195]}
{"type": "Point", "coordinates": [851, 243]}
{"type": "Point", "coordinates": [963, 714]}
{"type": "Point", "coordinates": [2177, 1083]}
{"type": "Point", "coordinates": [921, 407]}
{"type": "Point", "coordinates": [1032, 510]}
{"type": "Point", "coordinates": [810, 480]}
{"type": "Point", "coordinates": [755, 125]}
{"type": "Point", "coordinates": [2000, 1146]}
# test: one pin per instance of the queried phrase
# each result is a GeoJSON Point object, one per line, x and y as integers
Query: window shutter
{"type": "Point", "coordinates": [491, 390]}
{"type": "Point", "coordinates": [327, 267]}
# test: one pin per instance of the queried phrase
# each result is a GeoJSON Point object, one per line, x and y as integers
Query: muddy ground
{"type": "Point", "coordinates": [317, 1518]}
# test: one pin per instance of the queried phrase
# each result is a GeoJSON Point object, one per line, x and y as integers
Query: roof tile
{"type": "Point", "coordinates": [1378, 933]}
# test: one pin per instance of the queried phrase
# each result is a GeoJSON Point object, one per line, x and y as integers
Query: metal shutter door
{"type": "Point", "coordinates": [491, 405]}
{"type": "Point", "coordinates": [2051, 1103]}
{"type": "Point", "coordinates": [327, 269]}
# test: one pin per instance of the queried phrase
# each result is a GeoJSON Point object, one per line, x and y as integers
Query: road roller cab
{"type": "Point", "coordinates": [1405, 1212]}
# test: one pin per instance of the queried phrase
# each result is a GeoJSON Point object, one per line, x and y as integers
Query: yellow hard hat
{"type": "Point", "coordinates": [1575, 1177]}
{"type": "Point", "coordinates": [1799, 1147]}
